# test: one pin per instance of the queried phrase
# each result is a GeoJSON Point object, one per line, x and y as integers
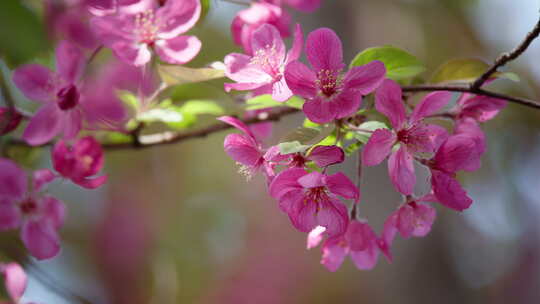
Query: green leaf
{"type": "Point", "coordinates": [22, 35]}
{"type": "Point", "coordinates": [165, 115]}
{"type": "Point", "coordinates": [509, 75]}
{"type": "Point", "coordinates": [399, 63]}
{"type": "Point", "coordinates": [117, 138]}
{"type": "Point", "coordinates": [129, 99]}
{"type": "Point", "coordinates": [199, 107]}
{"type": "Point", "coordinates": [350, 149]}
{"type": "Point", "coordinates": [292, 147]}
{"type": "Point", "coordinates": [175, 75]}
{"type": "Point", "coordinates": [266, 101]}
{"type": "Point", "coordinates": [373, 125]}
{"type": "Point", "coordinates": [205, 8]}
{"type": "Point", "coordinates": [460, 70]}
{"type": "Point", "coordinates": [465, 70]}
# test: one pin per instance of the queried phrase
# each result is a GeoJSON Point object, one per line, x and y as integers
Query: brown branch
{"type": "Point", "coordinates": [507, 57]}
{"type": "Point", "coordinates": [167, 138]}
{"type": "Point", "coordinates": [467, 89]}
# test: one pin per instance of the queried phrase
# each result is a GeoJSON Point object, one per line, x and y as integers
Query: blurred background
{"type": "Point", "coordinates": [178, 224]}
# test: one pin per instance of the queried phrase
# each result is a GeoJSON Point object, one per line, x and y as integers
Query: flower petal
{"type": "Point", "coordinates": [449, 192]}
{"type": "Point", "coordinates": [10, 216]}
{"type": "Point", "coordinates": [319, 111]}
{"type": "Point", "coordinates": [482, 108]}
{"type": "Point", "coordinates": [235, 122]}
{"type": "Point", "coordinates": [240, 69]}
{"type": "Point", "coordinates": [285, 181]}
{"type": "Point", "coordinates": [134, 54]}
{"type": "Point", "coordinates": [315, 237]}
{"type": "Point", "coordinates": [298, 42]}
{"type": "Point", "coordinates": [307, 6]}
{"type": "Point", "coordinates": [432, 103]}
{"type": "Point", "coordinates": [312, 180]}
{"type": "Point", "coordinates": [70, 61]}
{"type": "Point", "coordinates": [267, 42]}
{"type": "Point", "coordinates": [301, 79]}
{"type": "Point", "coordinates": [401, 171]}
{"type": "Point", "coordinates": [15, 280]}
{"type": "Point", "coordinates": [346, 103]}
{"type": "Point", "coordinates": [341, 185]}
{"type": "Point", "coordinates": [177, 17]}
{"type": "Point", "coordinates": [35, 82]}
{"type": "Point", "coordinates": [41, 178]}
{"type": "Point", "coordinates": [366, 78]}
{"type": "Point", "coordinates": [71, 123]}
{"type": "Point", "coordinates": [324, 50]}
{"type": "Point", "coordinates": [92, 183]}
{"type": "Point", "coordinates": [45, 125]}
{"type": "Point", "coordinates": [280, 90]}
{"type": "Point", "coordinates": [179, 50]}
{"type": "Point", "coordinates": [242, 149]}
{"type": "Point", "coordinates": [388, 101]}
{"type": "Point", "coordinates": [41, 239]}
{"type": "Point", "coordinates": [378, 147]}
{"type": "Point", "coordinates": [456, 153]}
{"type": "Point", "coordinates": [333, 254]}
{"type": "Point", "coordinates": [13, 184]}
{"type": "Point", "coordinates": [324, 156]}
{"type": "Point", "coordinates": [54, 211]}
{"type": "Point", "coordinates": [333, 215]}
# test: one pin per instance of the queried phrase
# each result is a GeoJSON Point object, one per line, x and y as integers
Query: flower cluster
{"type": "Point", "coordinates": [75, 100]}
{"type": "Point", "coordinates": [313, 199]}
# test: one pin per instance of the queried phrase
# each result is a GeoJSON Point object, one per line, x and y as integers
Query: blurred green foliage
{"type": "Point", "coordinates": [22, 35]}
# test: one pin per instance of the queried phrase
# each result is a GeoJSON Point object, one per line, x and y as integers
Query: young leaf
{"type": "Point", "coordinates": [292, 147]}
{"type": "Point", "coordinates": [129, 99]}
{"type": "Point", "coordinates": [198, 107]}
{"type": "Point", "coordinates": [399, 63]}
{"type": "Point", "coordinates": [308, 136]}
{"type": "Point", "coordinates": [460, 70]}
{"type": "Point", "coordinates": [175, 74]}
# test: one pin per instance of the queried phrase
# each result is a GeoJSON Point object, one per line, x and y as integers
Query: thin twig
{"type": "Point", "coordinates": [167, 138]}
{"type": "Point", "coordinates": [467, 89]}
{"type": "Point", "coordinates": [507, 57]}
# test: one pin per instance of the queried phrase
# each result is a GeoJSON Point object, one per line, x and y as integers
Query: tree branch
{"type": "Point", "coordinates": [167, 138]}
{"type": "Point", "coordinates": [467, 89]}
{"type": "Point", "coordinates": [507, 57]}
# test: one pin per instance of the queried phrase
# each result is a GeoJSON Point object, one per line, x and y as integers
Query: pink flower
{"type": "Point", "coordinates": [108, 7]}
{"type": "Point", "coordinates": [410, 219]}
{"type": "Point", "coordinates": [57, 91]}
{"type": "Point", "coordinates": [307, 6]}
{"type": "Point", "coordinates": [321, 156]}
{"type": "Point", "coordinates": [360, 242]}
{"type": "Point", "coordinates": [250, 19]}
{"type": "Point", "coordinates": [480, 108]}
{"type": "Point", "coordinates": [14, 120]}
{"type": "Point", "coordinates": [102, 107]}
{"type": "Point", "coordinates": [264, 70]}
{"type": "Point", "coordinates": [311, 199]}
{"type": "Point", "coordinates": [246, 149]}
{"type": "Point", "coordinates": [415, 136]}
{"type": "Point", "coordinates": [80, 161]}
{"type": "Point", "coordinates": [15, 280]}
{"type": "Point", "coordinates": [69, 20]}
{"type": "Point", "coordinates": [131, 35]}
{"type": "Point", "coordinates": [458, 152]}
{"type": "Point", "coordinates": [38, 217]}
{"type": "Point", "coordinates": [329, 94]}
